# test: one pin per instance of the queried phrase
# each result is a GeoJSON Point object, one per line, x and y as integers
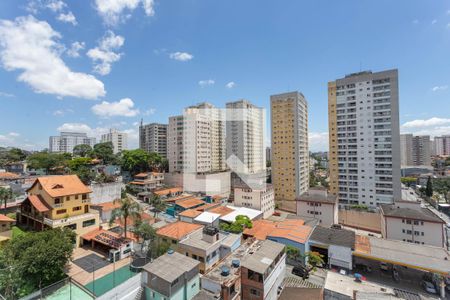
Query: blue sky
{"type": "Point", "coordinates": [93, 64]}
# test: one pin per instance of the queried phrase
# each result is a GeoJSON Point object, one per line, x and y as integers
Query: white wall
{"type": "Point", "coordinates": [263, 200]}
{"type": "Point", "coordinates": [275, 280]}
{"type": "Point", "coordinates": [105, 192]}
{"type": "Point", "coordinates": [326, 213]}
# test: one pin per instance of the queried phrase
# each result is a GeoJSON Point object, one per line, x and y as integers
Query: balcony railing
{"type": "Point", "coordinates": [69, 220]}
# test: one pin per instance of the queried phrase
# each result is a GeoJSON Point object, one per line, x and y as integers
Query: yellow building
{"type": "Point", "coordinates": [59, 201]}
{"type": "Point", "coordinates": [290, 155]}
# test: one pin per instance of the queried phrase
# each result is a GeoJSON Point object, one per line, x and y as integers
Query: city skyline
{"type": "Point", "coordinates": [184, 62]}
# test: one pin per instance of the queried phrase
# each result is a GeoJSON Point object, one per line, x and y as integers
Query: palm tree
{"type": "Point", "coordinates": [158, 204]}
{"type": "Point", "coordinates": [128, 209]}
{"type": "Point", "coordinates": [5, 195]}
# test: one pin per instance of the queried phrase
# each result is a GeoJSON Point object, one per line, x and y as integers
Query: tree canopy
{"type": "Point", "coordinates": [241, 222]}
{"type": "Point", "coordinates": [82, 150]}
{"type": "Point", "coordinates": [48, 161]}
{"type": "Point", "coordinates": [81, 166]}
{"type": "Point", "coordinates": [128, 209]}
{"type": "Point", "coordinates": [105, 152]}
{"type": "Point", "coordinates": [135, 161]}
{"type": "Point", "coordinates": [34, 260]}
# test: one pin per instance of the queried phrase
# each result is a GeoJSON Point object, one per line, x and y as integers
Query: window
{"type": "Point", "coordinates": [193, 286]}
{"type": "Point", "coordinates": [76, 208]}
{"type": "Point", "coordinates": [255, 292]}
{"type": "Point", "coordinates": [61, 211]}
{"type": "Point", "coordinates": [89, 223]}
{"type": "Point", "coordinates": [84, 197]}
{"type": "Point", "coordinates": [76, 197]}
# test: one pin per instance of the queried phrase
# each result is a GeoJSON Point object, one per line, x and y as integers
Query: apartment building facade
{"type": "Point", "coordinates": [245, 137]}
{"type": "Point", "coordinates": [415, 150]}
{"type": "Point", "coordinates": [153, 138]}
{"type": "Point", "coordinates": [364, 138]}
{"type": "Point", "coordinates": [66, 141]}
{"type": "Point", "coordinates": [290, 155]}
{"type": "Point", "coordinates": [118, 139]}
{"type": "Point", "coordinates": [262, 198]}
{"type": "Point", "coordinates": [317, 203]}
{"type": "Point", "coordinates": [442, 145]}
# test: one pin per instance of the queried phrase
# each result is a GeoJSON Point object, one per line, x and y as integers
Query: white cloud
{"type": "Point", "coordinates": [230, 84]}
{"type": "Point", "coordinates": [62, 112]}
{"type": "Point", "coordinates": [34, 6]}
{"type": "Point", "coordinates": [103, 56]}
{"type": "Point", "coordinates": [426, 123]}
{"type": "Point", "coordinates": [113, 11]}
{"type": "Point", "coordinates": [8, 138]}
{"type": "Point", "coordinates": [318, 141]}
{"type": "Point", "coordinates": [75, 48]}
{"type": "Point", "coordinates": [32, 46]}
{"type": "Point", "coordinates": [433, 22]}
{"type": "Point", "coordinates": [67, 18]}
{"type": "Point", "coordinates": [123, 108]}
{"type": "Point", "coordinates": [433, 131]}
{"type": "Point", "coordinates": [7, 95]}
{"type": "Point", "coordinates": [181, 56]}
{"type": "Point", "coordinates": [55, 5]}
{"type": "Point", "coordinates": [439, 88]}
{"type": "Point", "coordinates": [204, 83]}
{"type": "Point", "coordinates": [149, 112]}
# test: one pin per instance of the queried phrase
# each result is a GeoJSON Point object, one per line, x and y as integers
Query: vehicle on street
{"type": "Point", "coordinates": [384, 266]}
{"type": "Point", "coordinates": [429, 287]}
{"type": "Point", "coordinates": [301, 271]}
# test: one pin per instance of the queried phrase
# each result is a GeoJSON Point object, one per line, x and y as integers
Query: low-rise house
{"type": "Point", "coordinates": [252, 214]}
{"type": "Point", "coordinates": [189, 215]}
{"type": "Point", "coordinates": [263, 272]}
{"type": "Point", "coordinates": [260, 198]}
{"type": "Point", "coordinates": [206, 246]}
{"type": "Point", "coordinates": [146, 182]}
{"type": "Point", "coordinates": [288, 232]}
{"type": "Point", "coordinates": [190, 203]}
{"type": "Point", "coordinates": [5, 223]}
{"type": "Point", "coordinates": [336, 246]}
{"type": "Point", "coordinates": [319, 204]}
{"type": "Point", "coordinates": [409, 222]}
{"type": "Point", "coordinates": [105, 210]}
{"type": "Point", "coordinates": [208, 219]}
{"type": "Point", "coordinates": [172, 276]}
{"type": "Point", "coordinates": [168, 192]}
{"type": "Point", "coordinates": [175, 232]}
{"type": "Point", "coordinates": [59, 201]}
{"type": "Point", "coordinates": [113, 244]}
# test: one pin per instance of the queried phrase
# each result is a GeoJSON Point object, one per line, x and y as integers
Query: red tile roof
{"type": "Point", "coordinates": [106, 206]}
{"type": "Point", "coordinates": [190, 213]}
{"type": "Point", "coordinates": [39, 203]}
{"type": "Point", "coordinates": [106, 237]}
{"type": "Point", "coordinates": [168, 191]}
{"type": "Point", "coordinates": [64, 185]}
{"type": "Point", "coordinates": [4, 218]}
{"type": "Point", "coordinates": [8, 175]}
{"type": "Point", "coordinates": [294, 230]}
{"type": "Point", "coordinates": [189, 203]}
{"type": "Point", "coordinates": [178, 230]}
{"type": "Point", "coordinates": [221, 210]}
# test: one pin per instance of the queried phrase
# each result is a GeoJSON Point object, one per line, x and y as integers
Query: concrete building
{"type": "Point", "coordinates": [172, 276]}
{"type": "Point", "coordinates": [268, 154]}
{"type": "Point", "coordinates": [319, 204]}
{"type": "Point", "coordinates": [415, 150]}
{"type": "Point", "coordinates": [65, 142]}
{"type": "Point", "coordinates": [364, 138]}
{"type": "Point", "coordinates": [409, 222]}
{"type": "Point", "coordinates": [5, 223]}
{"type": "Point", "coordinates": [262, 199]}
{"type": "Point", "coordinates": [153, 138]}
{"type": "Point", "coordinates": [290, 155]}
{"type": "Point", "coordinates": [442, 145]}
{"type": "Point", "coordinates": [245, 137]}
{"type": "Point", "coordinates": [263, 272]}
{"type": "Point", "coordinates": [147, 182]}
{"type": "Point", "coordinates": [118, 139]}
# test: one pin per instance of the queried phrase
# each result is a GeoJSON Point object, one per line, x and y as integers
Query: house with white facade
{"type": "Point", "coordinates": [319, 204]}
{"type": "Point", "coordinates": [262, 198]}
{"type": "Point", "coordinates": [409, 222]}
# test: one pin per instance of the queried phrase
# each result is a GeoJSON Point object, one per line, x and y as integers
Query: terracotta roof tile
{"type": "Point", "coordinates": [190, 213]}
{"type": "Point", "coordinates": [4, 218]}
{"type": "Point", "coordinates": [221, 210]}
{"type": "Point", "coordinates": [207, 206]}
{"type": "Point", "coordinates": [106, 206]}
{"type": "Point", "coordinates": [8, 175]}
{"type": "Point", "coordinates": [289, 229]}
{"type": "Point", "coordinates": [189, 203]}
{"type": "Point", "coordinates": [168, 191]}
{"type": "Point", "coordinates": [178, 230]}
{"type": "Point", "coordinates": [64, 185]}
{"type": "Point", "coordinates": [39, 203]}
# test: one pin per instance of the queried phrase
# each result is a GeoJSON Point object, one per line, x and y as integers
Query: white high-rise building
{"type": "Point", "coordinates": [415, 150]}
{"type": "Point", "coordinates": [118, 139]}
{"type": "Point", "coordinates": [65, 142]}
{"type": "Point", "coordinates": [290, 154]}
{"type": "Point", "coordinates": [153, 138]}
{"type": "Point", "coordinates": [196, 140]}
{"type": "Point", "coordinates": [442, 145]}
{"type": "Point", "coordinates": [365, 138]}
{"type": "Point", "coordinates": [245, 137]}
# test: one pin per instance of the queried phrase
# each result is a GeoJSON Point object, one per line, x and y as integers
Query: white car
{"type": "Point", "coordinates": [429, 287]}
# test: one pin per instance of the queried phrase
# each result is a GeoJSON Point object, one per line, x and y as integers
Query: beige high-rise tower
{"type": "Point", "coordinates": [290, 155]}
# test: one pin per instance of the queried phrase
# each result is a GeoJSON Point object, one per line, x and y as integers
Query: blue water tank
{"type": "Point", "coordinates": [225, 271]}
{"type": "Point", "coordinates": [170, 251]}
{"type": "Point", "coordinates": [235, 263]}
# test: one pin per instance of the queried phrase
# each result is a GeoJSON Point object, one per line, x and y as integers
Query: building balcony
{"type": "Point", "coordinates": [69, 220]}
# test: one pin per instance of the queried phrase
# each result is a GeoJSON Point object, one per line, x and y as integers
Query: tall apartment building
{"type": "Point", "coordinates": [153, 138]}
{"type": "Point", "coordinates": [245, 136]}
{"type": "Point", "coordinates": [290, 155]}
{"type": "Point", "coordinates": [196, 140]}
{"type": "Point", "coordinates": [118, 139]}
{"type": "Point", "coordinates": [364, 138]}
{"type": "Point", "coordinates": [442, 145]}
{"type": "Point", "coordinates": [415, 150]}
{"type": "Point", "coordinates": [67, 140]}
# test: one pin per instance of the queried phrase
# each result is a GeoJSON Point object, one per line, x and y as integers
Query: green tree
{"type": "Point", "coordinates": [241, 222]}
{"type": "Point", "coordinates": [155, 161]}
{"type": "Point", "coordinates": [82, 150]}
{"type": "Point", "coordinates": [128, 209]}
{"type": "Point", "coordinates": [442, 186]}
{"type": "Point", "coordinates": [34, 260]}
{"type": "Point", "coordinates": [292, 252]}
{"type": "Point", "coordinates": [158, 204]}
{"type": "Point", "coordinates": [135, 161]}
{"type": "Point", "coordinates": [105, 152]}
{"type": "Point", "coordinates": [314, 259]}
{"type": "Point", "coordinates": [429, 188]}
{"type": "Point", "coordinates": [48, 161]}
{"type": "Point", "coordinates": [81, 166]}
{"type": "Point", "coordinates": [5, 195]}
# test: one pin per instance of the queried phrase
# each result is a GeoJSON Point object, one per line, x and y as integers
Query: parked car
{"type": "Point", "coordinates": [301, 271]}
{"type": "Point", "coordinates": [336, 226]}
{"type": "Point", "coordinates": [429, 287]}
{"type": "Point", "coordinates": [384, 266]}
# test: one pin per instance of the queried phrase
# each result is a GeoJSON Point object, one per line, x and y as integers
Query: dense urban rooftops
{"type": "Point", "coordinates": [417, 213]}
{"type": "Point", "coordinates": [263, 257]}
{"type": "Point", "coordinates": [334, 236]}
{"type": "Point", "coordinates": [178, 230]}
{"type": "Point", "coordinates": [171, 266]}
